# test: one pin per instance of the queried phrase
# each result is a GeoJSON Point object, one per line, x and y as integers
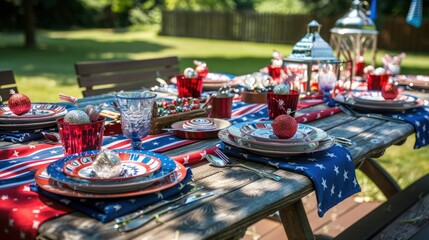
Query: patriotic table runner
{"type": "Point", "coordinates": [22, 210]}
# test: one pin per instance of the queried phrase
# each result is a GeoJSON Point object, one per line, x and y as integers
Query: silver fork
{"type": "Point", "coordinates": [349, 111]}
{"type": "Point", "coordinates": [258, 171]}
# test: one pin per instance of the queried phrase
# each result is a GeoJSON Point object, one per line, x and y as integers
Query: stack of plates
{"type": "Point", "coordinates": [41, 115]}
{"type": "Point", "coordinates": [143, 172]}
{"type": "Point", "coordinates": [259, 138]}
{"type": "Point", "coordinates": [373, 100]}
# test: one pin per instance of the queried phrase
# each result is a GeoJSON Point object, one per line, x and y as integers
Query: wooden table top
{"type": "Point", "coordinates": [245, 197]}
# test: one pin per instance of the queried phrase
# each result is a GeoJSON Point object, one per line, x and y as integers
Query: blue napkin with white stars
{"type": "Point", "coordinates": [108, 209]}
{"type": "Point", "coordinates": [332, 171]}
{"type": "Point", "coordinates": [419, 118]}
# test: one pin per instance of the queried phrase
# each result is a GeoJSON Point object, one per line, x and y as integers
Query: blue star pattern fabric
{"type": "Point", "coordinates": [419, 118]}
{"type": "Point", "coordinates": [332, 172]}
{"type": "Point", "coordinates": [414, 16]}
{"type": "Point", "coordinates": [108, 209]}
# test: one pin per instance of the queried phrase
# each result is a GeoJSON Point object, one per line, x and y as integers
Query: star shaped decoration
{"type": "Point", "coordinates": [274, 164]}
{"type": "Point", "coordinates": [53, 151]}
{"type": "Point", "coordinates": [13, 161]}
{"type": "Point", "coordinates": [319, 166]}
{"type": "Point", "coordinates": [32, 146]}
{"type": "Point", "coordinates": [186, 159]}
{"type": "Point", "coordinates": [155, 143]}
{"type": "Point", "coordinates": [355, 182]}
{"type": "Point", "coordinates": [302, 168]}
{"type": "Point", "coordinates": [26, 188]}
{"type": "Point", "coordinates": [349, 158]}
{"type": "Point", "coordinates": [336, 170]}
{"type": "Point", "coordinates": [318, 116]}
{"type": "Point", "coordinates": [332, 189]}
{"type": "Point", "coordinates": [171, 139]}
{"type": "Point", "coordinates": [181, 186]}
{"type": "Point", "coordinates": [417, 123]}
{"type": "Point", "coordinates": [340, 194]}
{"type": "Point", "coordinates": [15, 153]}
{"type": "Point", "coordinates": [331, 155]}
{"type": "Point", "coordinates": [132, 200]}
{"type": "Point", "coordinates": [346, 175]}
{"type": "Point", "coordinates": [292, 163]}
{"type": "Point", "coordinates": [36, 224]}
{"type": "Point", "coordinates": [160, 196]}
{"type": "Point", "coordinates": [325, 186]}
{"type": "Point", "coordinates": [244, 119]}
{"type": "Point", "coordinates": [11, 222]}
{"type": "Point", "coordinates": [203, 155]}
{"type": "Point", "coordinates": [319, 207]}
{"type": "Point", "coordinates": [245, 155]}
{"type": "Point", "coordinates": [4, 197]}
{"type": "Point", "coordinates": [36, 157]}
{"type": "Point", "coordinates": [65, 201]}
{"type": "Point", "coordinates": [304, 119]}
{"type": "Point", "coordinates": [117, 207]}
{"type": "Point", "coordinates": [312, 159]}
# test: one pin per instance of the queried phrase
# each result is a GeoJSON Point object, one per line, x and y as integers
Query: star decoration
{"type": "Point", "coordinates": [15, 153]}
{"type": "Point", "coordinates": [300, 168]}
{"type": "Point", "coordinates": [65, 201]}
{"type": "Point", "coordinates": [132, 200]}
{"type": "Point", "coordinates": [203, 155]}
{"type": "Point", "coordinates": [324, 184]}
{"type": "Point", "coordinates": [346, 175]}
{"type": "Point", "coordinates": [117, 207]}
{"type": "Point", "coordinates": [160, 196]}
{"type": "Point", "coordinates": [331, 155]}
{"type": "Point", "coordinates": [354, 182]}
{"type": "Point", "coordinates": [186, 159]}
{"type": "Point", "coordinates": [36, 224]}
{"type": "Point", "coordinates": [319, 166]}
{"type": "Point", "coordinates": [274, 164]}
{"type": "Point", "coordinates": [26, 188]}
{"type": "Point", "coordinates": [155, 143]}
{"type": "Point", "coordinates": [11, 222]}
{"type": "Point", "coordinates": [336, 170]}
{"type": "Point", "coordinates": [32, 146]}
{"type": "Point", "coordinates": [4, 197]}
{"type": "Point", "coordinates": [53, 152]}
{"type": "Point", "coordinates": [349, 158]}
{"type": "Point", "coordinates": [339, 195]}
{"type": "Point", "coordinates": [332, 190]}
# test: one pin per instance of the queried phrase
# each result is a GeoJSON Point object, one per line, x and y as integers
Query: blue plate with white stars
{"type": "Point", "coordinates": [55, 171]}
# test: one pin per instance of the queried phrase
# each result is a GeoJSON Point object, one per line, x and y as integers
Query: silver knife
{"type": "Point", "coordinates": [138, 222]}
{"type": "Point", "coordinates": [131, 216]}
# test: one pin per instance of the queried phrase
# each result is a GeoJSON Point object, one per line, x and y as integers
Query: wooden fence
{"type": "Point", "coordinates": [395, 33]}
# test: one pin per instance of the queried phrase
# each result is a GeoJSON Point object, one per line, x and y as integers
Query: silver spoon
{"type": "Point", "coordinates": [215, 161]}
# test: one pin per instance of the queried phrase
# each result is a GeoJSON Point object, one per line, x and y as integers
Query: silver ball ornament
{"type": "Point", "coordinates": [76, 117]}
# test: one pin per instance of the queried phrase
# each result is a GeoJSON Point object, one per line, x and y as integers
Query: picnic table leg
{"type": "Point", "coordinates": [380, 177]}
{"type": "Point", "coordinates": [295, 221]}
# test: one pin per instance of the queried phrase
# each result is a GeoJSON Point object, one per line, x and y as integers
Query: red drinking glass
{"type": "Point", "coordinates": [359, 69]}
{"type": "Point", "coordinates": [376, 82]}
{"type": "Point", "coordinates": [221, 106]}
{"type": "Point", "coordinates": [275, 73]}
{"type": "Point", "coordinates": [279, 104]}
{"type": "Point", "coordinates": [77, 138]}
{"type": "Point", "coordinates": [189, 87]}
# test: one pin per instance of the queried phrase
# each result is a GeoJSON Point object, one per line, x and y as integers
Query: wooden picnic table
{"type": "Point", "coordinates": [245, 198]}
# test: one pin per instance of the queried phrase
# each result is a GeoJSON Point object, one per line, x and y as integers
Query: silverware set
{"type": "Point", "coordinates": [224, 161]}
{"type": "Point", "coordinates": [137, 219]}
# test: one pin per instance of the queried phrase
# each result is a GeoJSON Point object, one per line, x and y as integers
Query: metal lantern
{"type": "Point", "coordinates": [352, 36]}
{"type": "Point", "coordinates": [311, 52]}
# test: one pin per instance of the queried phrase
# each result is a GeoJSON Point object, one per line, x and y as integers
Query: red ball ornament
{"type": "Point", "coordinates": [18, 103]}
{"type": "Point", "coordinates": [389, 91]}
{"type": "Point", "coordinates": [284, 126]}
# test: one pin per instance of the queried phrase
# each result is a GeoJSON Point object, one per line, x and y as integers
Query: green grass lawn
{"type": "Point", "coordinates": [43, 72]}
